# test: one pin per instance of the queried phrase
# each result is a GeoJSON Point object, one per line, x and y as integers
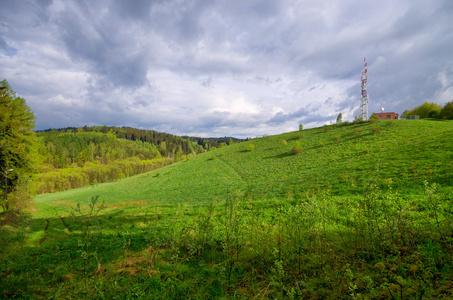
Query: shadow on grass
{"type": "Point", "coordinates": [38, 254]}
{"type": "Point", "coordinates": [245, 151]}
{"type": "Point", "coordinates": [282, 155]}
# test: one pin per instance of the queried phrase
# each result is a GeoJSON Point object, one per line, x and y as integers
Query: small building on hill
{"type": "Point", "coordinates": [386, 115]}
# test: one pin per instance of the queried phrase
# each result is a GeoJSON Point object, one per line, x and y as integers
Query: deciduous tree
{"type": "Point", "coordinates": [447, 111]}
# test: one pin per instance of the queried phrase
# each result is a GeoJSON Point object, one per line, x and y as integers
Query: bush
{"type": "Point", "coordinates": [297, 148]}
{"type": "Point", "coordinates": [336, 139]}
{"type": "Point", "coordinates": [250, 147]}
{"type": "Point", "coordinates": [358, 119]}
{"type": "Point", "coordinates": [301, 127]}
{"type": "Point", "coordinates": [376, 129]}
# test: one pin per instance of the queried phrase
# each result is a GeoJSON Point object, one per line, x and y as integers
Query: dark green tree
{"type": "Point", "coordinates": [17, 148]}
{"type": "Point", "coordinates": [340, 118]}
{"type": "Point", "coordinates": [434, 114]}
{"type": "Point", "coordinates": [447, 111]}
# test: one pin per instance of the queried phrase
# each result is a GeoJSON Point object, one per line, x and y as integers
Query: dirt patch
{"type": "Point", "coordinates": [130, 271]}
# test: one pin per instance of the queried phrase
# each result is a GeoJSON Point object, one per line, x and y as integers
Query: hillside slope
{"type": "Point", "coordinates": [344, 159]}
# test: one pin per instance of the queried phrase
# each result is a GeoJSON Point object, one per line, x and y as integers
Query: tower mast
{"type": "Point", "coordinates": [364, 98]}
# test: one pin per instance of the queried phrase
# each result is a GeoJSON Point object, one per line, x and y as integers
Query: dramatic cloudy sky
{"type": "Point", "coordinates": [223, 68]}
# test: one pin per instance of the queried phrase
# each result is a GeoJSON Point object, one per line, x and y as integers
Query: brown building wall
{"type": "Point", "coordinates": [386, 115]}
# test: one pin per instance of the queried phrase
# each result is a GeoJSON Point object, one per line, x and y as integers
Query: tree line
{"type": "Point", "coordinates": [167, 144]}
{"type": "Point", "coordinates": [431, 110]}
{"type": "Point", "coordinates": [77, 158]}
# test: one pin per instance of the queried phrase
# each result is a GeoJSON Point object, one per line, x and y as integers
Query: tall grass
{"type": "Point", "coordinates": [378, 245]}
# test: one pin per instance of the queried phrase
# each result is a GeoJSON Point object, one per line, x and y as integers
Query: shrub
{"type": "Point", "coordinates": [336, 139]}
{"type": "Point", "coordinates": [358, 119]}
{"type": "Point", "coordinates": [297, 148]}
{"type": "Point", "coordinates": [301, 127]}
{"type": "Point", "coordinates": [250, 147]}
{"type": "Point", "coordinates": [284, 142]}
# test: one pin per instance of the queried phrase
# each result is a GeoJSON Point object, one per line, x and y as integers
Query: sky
{"type": "Point", "coordinates": [223, 68]}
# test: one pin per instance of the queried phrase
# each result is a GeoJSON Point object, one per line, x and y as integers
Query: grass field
{"type": "Point", "coordinates": [362, 211]}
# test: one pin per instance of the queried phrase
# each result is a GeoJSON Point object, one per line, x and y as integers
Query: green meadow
{"type": "Point", "coordinates": [359, 210]}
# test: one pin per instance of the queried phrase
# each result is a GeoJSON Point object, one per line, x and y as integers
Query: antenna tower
{"type": "Point", "coordinates": [364, 98]}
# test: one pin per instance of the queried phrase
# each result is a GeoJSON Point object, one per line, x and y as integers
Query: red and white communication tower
{"type": "Point", "coordinates": [364, 99]}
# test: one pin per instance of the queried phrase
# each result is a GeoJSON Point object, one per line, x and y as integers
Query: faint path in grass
{"type": "Point", "coordinates": [234, 172]}
{"type": "Point", "coordinates": [65, 224]}
{"type": "Point", "coordinates": [46, 231]}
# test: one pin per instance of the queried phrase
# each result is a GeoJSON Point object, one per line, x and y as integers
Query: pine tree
{"type": "Point", "coordinates": [17, 147]}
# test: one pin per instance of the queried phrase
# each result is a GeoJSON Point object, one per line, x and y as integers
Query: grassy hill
{"type": "Point", "coordinates": [344, 159]}
{"type": "Point", "coordinates": [363, 210]}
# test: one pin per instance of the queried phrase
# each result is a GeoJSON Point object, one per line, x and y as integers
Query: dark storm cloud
{"type": "Point", "coordinates": [133, 10]}
{"type": "Point", "coordinates": [108, 52]}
